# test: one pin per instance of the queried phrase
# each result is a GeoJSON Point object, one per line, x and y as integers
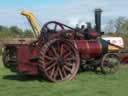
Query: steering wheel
{"type": "Point", "coordinates": [55, 26]}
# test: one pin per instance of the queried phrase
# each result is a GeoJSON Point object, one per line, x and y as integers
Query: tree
{"type": "Point", "coordinates": [16, 31]}
{"type": "Point", "coordinates": [118, 24]}
{"type": "Point", "coordinates": [125, 26]}
{"type": "Point", "coordinates": [110, 26]}
{"type": "Point", "coordinates": [3, 29]}
{"type": "Point", "coordinates": [27, 33]}
{"type": "Point", "coordinates": [4, 32]}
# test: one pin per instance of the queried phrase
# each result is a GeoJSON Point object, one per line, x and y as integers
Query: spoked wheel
{"type": "Point", "coordinates": [52, 27]}
{"type": "Point", "coordinates": [55, 26]}
{"type": "Point", "coordinates": [110, 63]}
{"type": "Point", "coordinates": [59, 60]}
{"type": "Point", "coordinates": [5, 57]}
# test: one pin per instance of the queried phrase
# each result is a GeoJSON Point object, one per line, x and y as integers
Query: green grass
{"type": "Point", "coordinates": [85, 84]}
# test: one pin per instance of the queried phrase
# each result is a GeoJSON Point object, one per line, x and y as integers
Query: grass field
{"type": "Point", "coordinates": [85, 84]}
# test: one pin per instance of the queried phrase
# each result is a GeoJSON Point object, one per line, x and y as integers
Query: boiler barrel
{"type": "Point", "coordinates": [91, 49]}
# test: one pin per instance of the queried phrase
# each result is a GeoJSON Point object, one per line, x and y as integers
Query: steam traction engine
{"type": "Point", "coordinates": [60, 50]}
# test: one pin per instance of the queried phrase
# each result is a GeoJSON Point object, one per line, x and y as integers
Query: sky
{"type": "Point", "coordinates": [70, 12]}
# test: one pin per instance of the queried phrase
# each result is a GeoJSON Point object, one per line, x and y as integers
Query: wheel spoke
{"type": "Point", "coordinates": [112, 70]}
{"type": "Point", "coordinates": [47, 57]}
{"type": "Point", "coordinates": [64, 72]}
{"type": "Point", "coordinates": [55, 51]}
{"type": "Point", "coordinates": [106, 62]}
{"type": "Point", "coordinates": [70, 59]}
{"type": "Point", "coordinates": [55, 73]}
{"type": "Point", "coordinates": [55, 27]}
{"type": "Point", "coordinates": [50, 66]}
{"type": "Point", "coordinates": [50, 58]}
{"type": "Point", "coordinates": [69, 64]}
{"type": "Point", "coordinates": [67, 68]}
{"type": "Point", "coordinates": [61, 49]}
{"type": "Point", "coordinates": [60, 72]}
{"type": "Point", "coordinates": [66, 49]}
{"type": "Point", "coordinates": [48, 63]}
{"type": "Point", "coordinates": [52, 72]}
{"type": "Point", "coordinates": [51, 53]}
{"type": "Point", "coordinates": [67, 54]}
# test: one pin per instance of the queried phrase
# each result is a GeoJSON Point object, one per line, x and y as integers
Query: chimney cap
{"type": "Point", "coordinates": [98, 10]}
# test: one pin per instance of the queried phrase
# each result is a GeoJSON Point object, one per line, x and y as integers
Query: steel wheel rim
{"type": "Point", "coordinates": [64, 63]}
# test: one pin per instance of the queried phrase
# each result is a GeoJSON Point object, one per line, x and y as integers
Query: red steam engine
{"type": "Point", "coordinates": [58, 53]}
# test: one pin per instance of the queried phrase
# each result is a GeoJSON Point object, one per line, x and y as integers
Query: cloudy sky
{"type": "Point", "coordinates": [69, 12]}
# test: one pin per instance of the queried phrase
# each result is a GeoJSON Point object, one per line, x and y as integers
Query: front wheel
{"type": "Point", "coordinates": [110, 63]}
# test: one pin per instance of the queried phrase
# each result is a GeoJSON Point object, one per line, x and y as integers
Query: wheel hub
{"type": "Point", "coordinates": [60, 61]}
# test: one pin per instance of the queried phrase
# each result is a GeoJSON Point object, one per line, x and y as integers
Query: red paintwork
{"type": "Point", "coordinates": [88, 48]}
{"type": "Point", "coordinates": [25, 65]}
{"type": "Point", "coordinates": [124, 58]}
{"type": "Point", "coordinates": [93, 34]}
{"type": "Point", "coordinates": [34, 52]}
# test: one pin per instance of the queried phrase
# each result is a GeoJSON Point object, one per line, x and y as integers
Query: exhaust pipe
{"type": "Point", "coordinates": [98, 20]}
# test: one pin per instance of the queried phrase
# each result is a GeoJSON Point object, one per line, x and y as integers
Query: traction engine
{"type": "Point", "coordinates": [60, 51]}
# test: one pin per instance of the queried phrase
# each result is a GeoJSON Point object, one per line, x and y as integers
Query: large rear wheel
{"type": "Point", "coordinates": [59, 60]}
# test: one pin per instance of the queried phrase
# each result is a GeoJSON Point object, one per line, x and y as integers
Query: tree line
{"type": "Point", "coordinates": [114, 27]}
{"type": "Point", "coordinates": [14, 32]}
{"type": "Point", "coordinates": [118, 25]}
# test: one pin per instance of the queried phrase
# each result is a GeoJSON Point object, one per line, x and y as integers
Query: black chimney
{"type": "Point", "coordinates": [98, 20]}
